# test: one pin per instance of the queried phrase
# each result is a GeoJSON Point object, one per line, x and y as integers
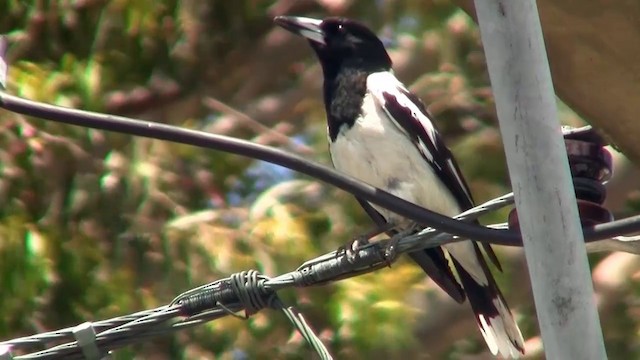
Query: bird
{"type": "Point", "coordinates": [381, 133]}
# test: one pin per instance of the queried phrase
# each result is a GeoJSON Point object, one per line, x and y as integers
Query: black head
{"type": "Point", "coordinates": [339, 43]}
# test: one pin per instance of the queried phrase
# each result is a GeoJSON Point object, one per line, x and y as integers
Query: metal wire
{"type": "Point", "coordinates": [137, 327]}
{"type": "Point", "coordinates": [249, 294]}
{"type": "Point", "coordinates": [225, 300]}
{"type": "Point", "coordinates": [227, 296]}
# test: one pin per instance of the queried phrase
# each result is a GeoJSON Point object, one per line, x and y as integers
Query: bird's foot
{"type": "Point", "coordinates": [391, 251]}
{"type": "Point", "coordinates": [352, 248]}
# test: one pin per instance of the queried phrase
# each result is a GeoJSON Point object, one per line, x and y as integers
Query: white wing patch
{"type": "Point", "coordinates": [384, 82]}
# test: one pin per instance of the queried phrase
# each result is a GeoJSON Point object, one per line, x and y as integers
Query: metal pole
{"type": "Point", "coordinates": [541, 180]}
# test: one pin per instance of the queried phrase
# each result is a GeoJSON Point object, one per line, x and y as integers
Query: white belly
{"type": "Point", "coordinates": [372, 151]}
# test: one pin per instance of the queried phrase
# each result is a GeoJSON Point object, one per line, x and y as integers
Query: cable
{"type": "Point", "coordinates": [245, 148]}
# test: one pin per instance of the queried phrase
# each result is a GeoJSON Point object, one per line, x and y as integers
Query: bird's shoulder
{"type": "Point", "coordinates": [405, 110]}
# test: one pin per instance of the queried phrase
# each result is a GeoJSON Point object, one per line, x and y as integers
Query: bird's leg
{"type": "Point", "coordinates": [352, 247]}
{"type": "Point", "coordinates": [392, 246]}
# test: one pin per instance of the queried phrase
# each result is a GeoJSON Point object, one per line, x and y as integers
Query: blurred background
{"type": "Point", "coordinates": [96, 225]}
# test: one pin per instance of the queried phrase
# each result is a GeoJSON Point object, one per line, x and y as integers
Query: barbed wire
{"type": "Point", "coordinates": [242, 291]}
{"type": "Point", "coordinates": [247, 290]}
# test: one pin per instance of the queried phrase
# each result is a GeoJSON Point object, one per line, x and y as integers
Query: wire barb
{"type": "Point", "coordinates": [245, 288]}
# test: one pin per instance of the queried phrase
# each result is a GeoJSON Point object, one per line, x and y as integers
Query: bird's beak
{"type": "Point", "coordinates": [307, 27]}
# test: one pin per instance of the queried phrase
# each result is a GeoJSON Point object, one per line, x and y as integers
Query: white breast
{"type": "Point", "coordinates": [376, 151]}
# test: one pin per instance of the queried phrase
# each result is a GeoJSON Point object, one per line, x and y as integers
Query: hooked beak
{"type": "Point", "coordinates": [307, 27]}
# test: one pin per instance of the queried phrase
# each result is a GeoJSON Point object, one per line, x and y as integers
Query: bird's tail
{"type": "Point", "coordinates": [494, 318]}
{"type": "Point", "coordinates": [435, 265]}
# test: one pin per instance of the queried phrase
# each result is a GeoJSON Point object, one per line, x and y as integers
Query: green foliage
{"type": "Point", "coordinates": [96, 225]}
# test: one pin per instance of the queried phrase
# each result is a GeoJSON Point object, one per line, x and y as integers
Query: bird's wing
{"type": "Point", "coordinates": [409, 114]}
{"type": "Point", "coordinates": [494, 318]}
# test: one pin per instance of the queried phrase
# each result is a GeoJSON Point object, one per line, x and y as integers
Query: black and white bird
{"type": "Point", "coordinates": [381, 133]}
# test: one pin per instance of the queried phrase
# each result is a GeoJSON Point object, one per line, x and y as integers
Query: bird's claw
{"type": "Point", "coordinates": [391, 250]}
{"type": "Point", "coordinates": [352, 249]}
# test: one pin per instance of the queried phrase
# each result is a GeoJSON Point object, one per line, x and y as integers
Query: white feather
{"type": "Point", "coordinates": [489, 337]}
{"type": "Point", "coordinates": [494, 330]}
{"type": "Point", "coordinates": [384, 81]}
{"type": "Point", "coordinates": [376, 151]}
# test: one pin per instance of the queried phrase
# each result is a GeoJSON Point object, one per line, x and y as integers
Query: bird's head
{"type": "Point", "coordinates": [340, 42]}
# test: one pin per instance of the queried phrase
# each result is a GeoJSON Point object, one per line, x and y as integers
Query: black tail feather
{"type": "Point", "coordinates": [434, 263]}
{"type": "Point", "coordinates": [492, 313]}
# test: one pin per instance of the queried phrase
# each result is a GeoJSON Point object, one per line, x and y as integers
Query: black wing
{"type": "Point", "coordinates": [410, 115]}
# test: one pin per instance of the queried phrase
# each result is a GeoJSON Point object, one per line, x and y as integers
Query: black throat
{"type": "Point", "coordinates": [343, 97]}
